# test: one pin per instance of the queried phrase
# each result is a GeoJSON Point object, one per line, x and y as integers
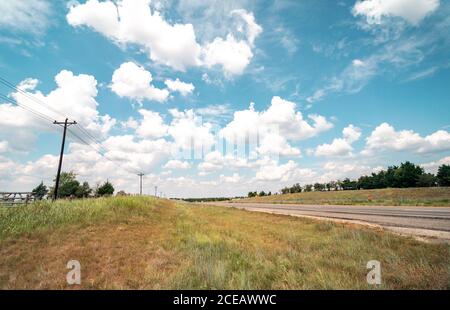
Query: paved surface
{"type": "Point", "coordinates": [425, 221]}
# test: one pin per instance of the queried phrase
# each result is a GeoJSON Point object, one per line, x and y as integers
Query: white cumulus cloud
{"type": "Point", "coordinates": [235, 178]}
{"type": "Point", "coordinates": [175, 45]}
{"type": "Point", "coordinates": [134, 22]}
{"type": "Point", "coordinates": [74, 98]}
{"type": "Point", "coordinates": [432, 167]}
{"type": "Point", "coordinates": [281, 116]}
{"type": "Point", "coordinates": [177, 164]}
{"type": "Point", "coordinates": [189, 132]}
{"type": "Point", "coordinates": [133, 81]}
{"type": "Point", "coordinates": [412, 11]}
{"type": "Point", "coordinates": [340, 146]}
{"type": "Point", "coordinates": [385, 137]}
{"type": "Point", "coordinates": [151, 125]}
{"type": "Point", "coordinates": [179, 86]}
{"type": "Point", "coordinates": [274, 172]}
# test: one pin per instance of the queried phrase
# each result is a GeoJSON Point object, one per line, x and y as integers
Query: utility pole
{"type": "Point", "coordinates": [156, 191]}
{"type": "Point", "coordinates": [140, 182]}
{"type": "Point", "coordinates": [66, 123]}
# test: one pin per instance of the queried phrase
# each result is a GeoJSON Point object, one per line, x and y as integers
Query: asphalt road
{"type": "Point", "coordinates": [413, 218]}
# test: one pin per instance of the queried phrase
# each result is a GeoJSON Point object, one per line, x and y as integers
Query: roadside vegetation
{"type": "Point", "coordinates": [430, 196]}
{"type": "Point", "coordinates": [70, 187]}
{"type": "Point", "coordinates": [404, 176]}
{"type": "Point", "coordinates": [407, 184]}
{"type": "Point", "coordinates": [144, 242]}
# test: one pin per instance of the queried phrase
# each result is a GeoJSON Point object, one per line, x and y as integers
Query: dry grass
{"type": "Point", "coordinates": [431, 196]}
{"type": "Point", "coordinates": [139, 243]}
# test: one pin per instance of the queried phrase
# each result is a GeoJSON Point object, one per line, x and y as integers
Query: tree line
{"type": "Point", "coordinates": [403, 176]}
{"type": "Point", "coordinates": [260, 194]}
{"type": "Point", "coordinates": [209, 199]}
{"type": "Point", "coordinates": [70, 187]}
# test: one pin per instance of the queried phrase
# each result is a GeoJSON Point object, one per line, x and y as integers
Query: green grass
{"type": "Point", "coordinates": [134, 242]}
{"type": "Point", "coordinates": [45, 215]}
{"type": "Point", "coordinates": [430, 196]}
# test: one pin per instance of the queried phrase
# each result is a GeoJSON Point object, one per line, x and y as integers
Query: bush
{"type": "Point", "coordinates": [40, 191]}
{"type": "Point", "coordinates": [105, 190]}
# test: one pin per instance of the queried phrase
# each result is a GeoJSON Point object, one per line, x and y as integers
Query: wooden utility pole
{"type": "Point", "coordinates": [66, 123]}
{"type": "Point", "coordinates": [140, 182]}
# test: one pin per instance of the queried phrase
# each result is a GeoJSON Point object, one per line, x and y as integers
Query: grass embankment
{"type": "Point", "coordinates": [424, 196]}
{"type": "Point", "coordinates": [133, 242]}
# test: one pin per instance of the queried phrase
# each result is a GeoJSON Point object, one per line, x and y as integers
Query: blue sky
{"type": "Point", "coordinates": [334, 89]}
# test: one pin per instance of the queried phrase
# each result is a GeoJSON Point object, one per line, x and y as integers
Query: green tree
{"type": "Point", "coordinates": [365, 182]}
{"type": "Point", "coordinates": [348, 184]}
{"type": "Point", "coordinates": [389, 177]}
{"type": "Point", "coordinates": [285, 190]}
{"type": "Point", "coordinates": [262, 194]}
{"type": "Point", "coordinates": [427, 180]}
{"type": "Point", "coordinates": [68, 185]}
{"type": "Point", "coordinates": [443, 175]}
{"type": "Point", "coordinates": [40, 191]}
{"type": "Point", "coordinates": [408, 174]}
{"type": "Point", "coordinates": [296, 188]}
{"type": "Point", "coordinates": [107, 189]}
{"type": "Point", "coordinates": [319, 187]}
{"type": "Point", "coordinates": [84, 190]}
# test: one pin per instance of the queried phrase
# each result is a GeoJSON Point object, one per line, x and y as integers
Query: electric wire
{"type": "Point", "coordinates": [37, 100]}
{"type": "Point", "coordinates": [83, 132]}
{"type": "Point", "coordinates": [83, 141]}
{"type": "Point", "coordinates": [27, 108]}
{"type": "Point", "coordinates": [29, 96]}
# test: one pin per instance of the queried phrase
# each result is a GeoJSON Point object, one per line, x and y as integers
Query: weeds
{"type": "Point", "coordinates": [136, 242]}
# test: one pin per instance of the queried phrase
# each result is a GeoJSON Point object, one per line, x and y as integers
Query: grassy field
{"type": "Point", "coordinates": [424, 196]}
{"type": "Point", "coordinates": [136, 242]}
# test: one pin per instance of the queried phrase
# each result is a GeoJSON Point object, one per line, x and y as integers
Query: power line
{"type": "Point", "coordinates": [99, 151]}
{"type": "Point", "coordinates": [42, 115]}
{"type": "Point", "coordinates": [37, 100]}
{"type": "Point", "coordinates": [83, 132]}
{"type": "Point", "coordinates": [31, 110]}
{"type": "Point", "coordinates": [86, 132]}
{"type": "Point", "coordinates": [95, 141]}
{"type": "Point", "coordinates": [85, 142]}
{"type": "Point", "coordinates": [29, 96]}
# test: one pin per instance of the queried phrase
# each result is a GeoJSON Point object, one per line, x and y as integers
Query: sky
{"type": "Point", "coordinates": [219, 98]}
